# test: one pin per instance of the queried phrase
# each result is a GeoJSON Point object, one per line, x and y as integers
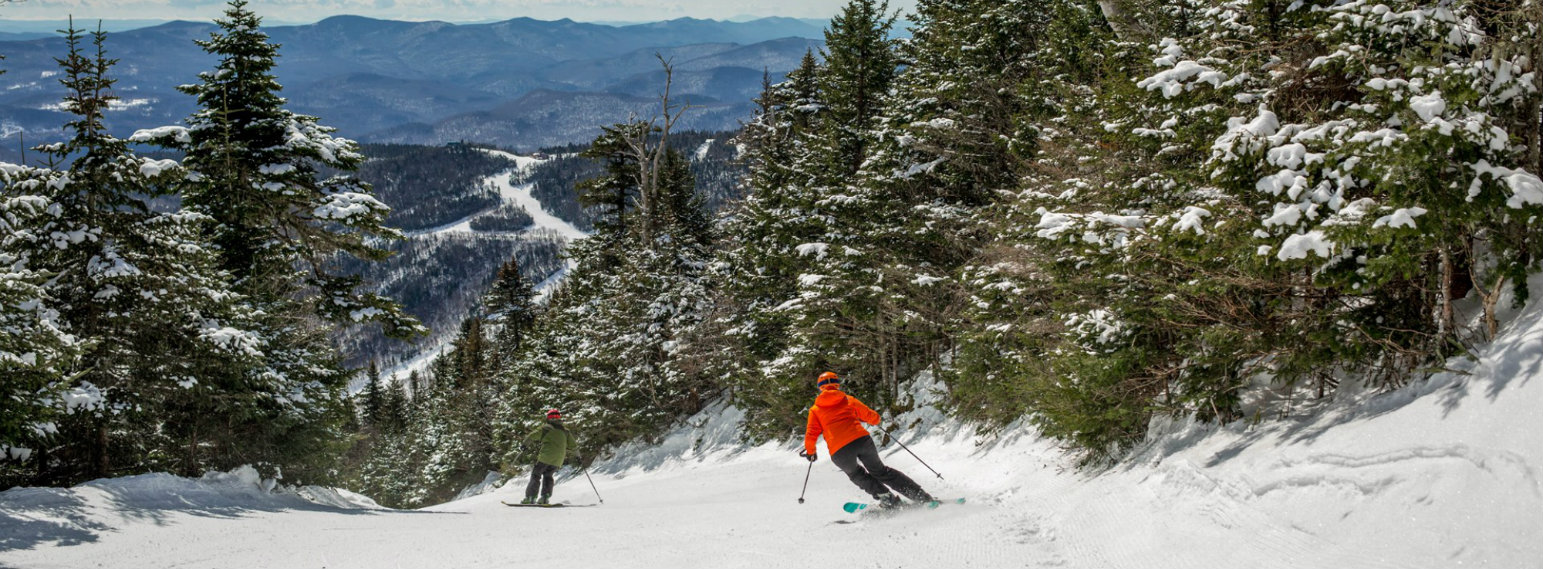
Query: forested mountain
{"type": "Point", "coordinates": [430, 186]}
{"type": "Point", "coordinates": [714, 158]}
{"type": "Point", "coordinates": [520, 84]}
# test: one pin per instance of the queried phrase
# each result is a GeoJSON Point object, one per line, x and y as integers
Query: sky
{"type": "Point", "coordinates": [306, 11]}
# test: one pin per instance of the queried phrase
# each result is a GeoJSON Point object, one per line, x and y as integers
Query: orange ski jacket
{"type": "Point", "coordinates": [836, 415]}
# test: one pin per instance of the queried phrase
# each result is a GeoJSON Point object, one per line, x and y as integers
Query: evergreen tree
{"type": "Point", "coordinates": [257, 166]}
{"type": "Point", "coordinates": [799, 295]}
{"type": "Point", "coordinates": [258, 178]}
{"type": "Point", "coordinates": [860, 65]}
{"type": "Point", "coordinates": [610, 347]}
{"type": "Point", "coordinates": [280, 227]}
{"type": "Point", "coordinates": [839, 321]}
{"type": "Point", "coordinates": [34, 349]}
{"type": "Point", "coordinates": [612, 196]}
{"type": "Point", "coordinates": [382, 472]}
{"type": "Point", "coordinates": [33, 346]}
{"type": "Point", "coordinates": [1304, 226]}
{"type": "Point", "coordinates": [510, 302]}
{"type": "Point", "coordinates": [161, 332]}
{"type": "Point", "coordinates": [768, 240]}
{"type": "Point", "coordinates": [372, 396]}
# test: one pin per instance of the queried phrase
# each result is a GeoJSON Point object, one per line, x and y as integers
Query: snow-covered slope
{"type": "Point", "coordinates": [1441, 474]}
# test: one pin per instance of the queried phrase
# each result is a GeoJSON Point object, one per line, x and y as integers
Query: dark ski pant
{"type": "Point", "coordinates": [540, 479]}
{"type": "Point", "coordinates": [872, 476]}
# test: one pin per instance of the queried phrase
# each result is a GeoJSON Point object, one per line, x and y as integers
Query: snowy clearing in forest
{"type": "Point", "coordinates": [521, 195]}
{"type": "Point", "coordinates": [1439, 474]}
{"type": "Point", "coordinates": [542, 221]}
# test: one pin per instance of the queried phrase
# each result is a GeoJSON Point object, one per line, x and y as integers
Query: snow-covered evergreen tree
{"type": "Point", "coordinates": [162, 335]}
{"type": "Point", "coordinates": [860, 64]}
{"type": "Point", "coordinates": [280, 227]}
{"type": "Point", "coordinates": [256, 166]}
{"type": "Point", "coordinates": [1267, 209]}
{"type": "Point", "coordinates": [769, 237]}
{"type": "Point", "coordinates": [510, 304]}
{"type": "Point", "coordinates": [836, 315]}
{"type": "Point", "coordinates": [34, 349]}
{"type": "Point", "coordinates": [372, 397]}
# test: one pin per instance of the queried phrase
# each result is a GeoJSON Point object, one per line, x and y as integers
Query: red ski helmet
{"type": "Point", "coordinates": [554, 414]}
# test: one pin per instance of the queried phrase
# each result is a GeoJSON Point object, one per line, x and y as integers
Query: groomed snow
{"type": "Point", "coordinates": [1440, 474]}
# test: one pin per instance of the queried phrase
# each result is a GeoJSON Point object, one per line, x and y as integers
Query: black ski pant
{"type": "Point", "coordinates": [540, 479]}
{"type": "Point", "coordinates": [871, 475]}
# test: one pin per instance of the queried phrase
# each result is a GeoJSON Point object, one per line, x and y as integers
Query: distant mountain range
{"type": "Point", "coordinates": [520, 83]}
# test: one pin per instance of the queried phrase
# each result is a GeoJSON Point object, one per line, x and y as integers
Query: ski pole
{"type": "Point", "coordinates": [908, 449]}
{"type": "Point", "coordinates": [592, 484]}
{"type": "Point", "coordinates": [806, 483]}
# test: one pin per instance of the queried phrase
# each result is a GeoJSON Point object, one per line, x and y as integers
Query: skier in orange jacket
{"type": "Point", "coordinates": [839, 418]}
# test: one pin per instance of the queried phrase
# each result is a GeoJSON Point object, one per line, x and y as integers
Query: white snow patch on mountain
{"type": "Point", "coordinates": [701, 151]}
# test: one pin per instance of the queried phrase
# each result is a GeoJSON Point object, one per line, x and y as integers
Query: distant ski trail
{"type": "Point", "coordinates": [542, 222]}
{"type": "Point", "coordinates": [521, 196]}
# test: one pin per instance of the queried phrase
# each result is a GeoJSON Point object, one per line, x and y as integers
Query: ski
{"type": "Point", "coordinates": [557, 505]}
{"type": "Point", "coordinates": [854, 507]}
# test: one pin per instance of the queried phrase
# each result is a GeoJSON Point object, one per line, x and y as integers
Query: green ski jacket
{"type": "Point", "coordinates": [554, 441]}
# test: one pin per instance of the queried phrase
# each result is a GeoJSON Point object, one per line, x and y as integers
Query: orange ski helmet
{"type": "Point", "coordinates": [828, 378]}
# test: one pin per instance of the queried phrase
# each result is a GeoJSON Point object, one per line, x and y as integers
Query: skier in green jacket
{"type": "Point", "coordinates": [555, 443]}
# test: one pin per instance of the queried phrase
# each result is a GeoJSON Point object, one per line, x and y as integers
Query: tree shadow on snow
{"type": "Point", "coordinates": [1512, 358]}
{"type": "Point", "coordinates": [67, 521]}
{"type": "Point", "coordinates": [32, 517]}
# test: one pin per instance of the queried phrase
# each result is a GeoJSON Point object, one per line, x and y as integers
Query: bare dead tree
{"type": "Point", "coordinates": [650, 157]}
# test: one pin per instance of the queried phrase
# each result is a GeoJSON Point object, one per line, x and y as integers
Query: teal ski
{"type": "Point", "coordinates": [854, 507]}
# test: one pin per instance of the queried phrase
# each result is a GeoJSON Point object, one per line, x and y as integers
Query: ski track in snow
{"type": "Point", "coordinates": [1442, 473]}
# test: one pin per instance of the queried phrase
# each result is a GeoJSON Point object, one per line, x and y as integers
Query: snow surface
{"type": "Point", "coordinates": [1443, 473]}
{"type": "Point", "coordinates": [701, 151]}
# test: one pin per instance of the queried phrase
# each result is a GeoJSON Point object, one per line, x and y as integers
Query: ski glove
{"type": "Point", "coordinates": [811, 457]}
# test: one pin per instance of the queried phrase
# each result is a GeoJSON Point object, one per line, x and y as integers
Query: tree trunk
{"type": "Point", "coordinates": [1462, 273]}
{"type": "Point", "coordinates": [1491, 322]}
{"type": "Point", "coordinates": [102, 465]}
{"type": "Point", "coordinates": [1119, 19]}
{"type": "Point", "coordinates": [1536, 62]}
{"type": "Point", "coordinates": [1444, 317]}
{"type": "Point", "coordinates": [187, 469]}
